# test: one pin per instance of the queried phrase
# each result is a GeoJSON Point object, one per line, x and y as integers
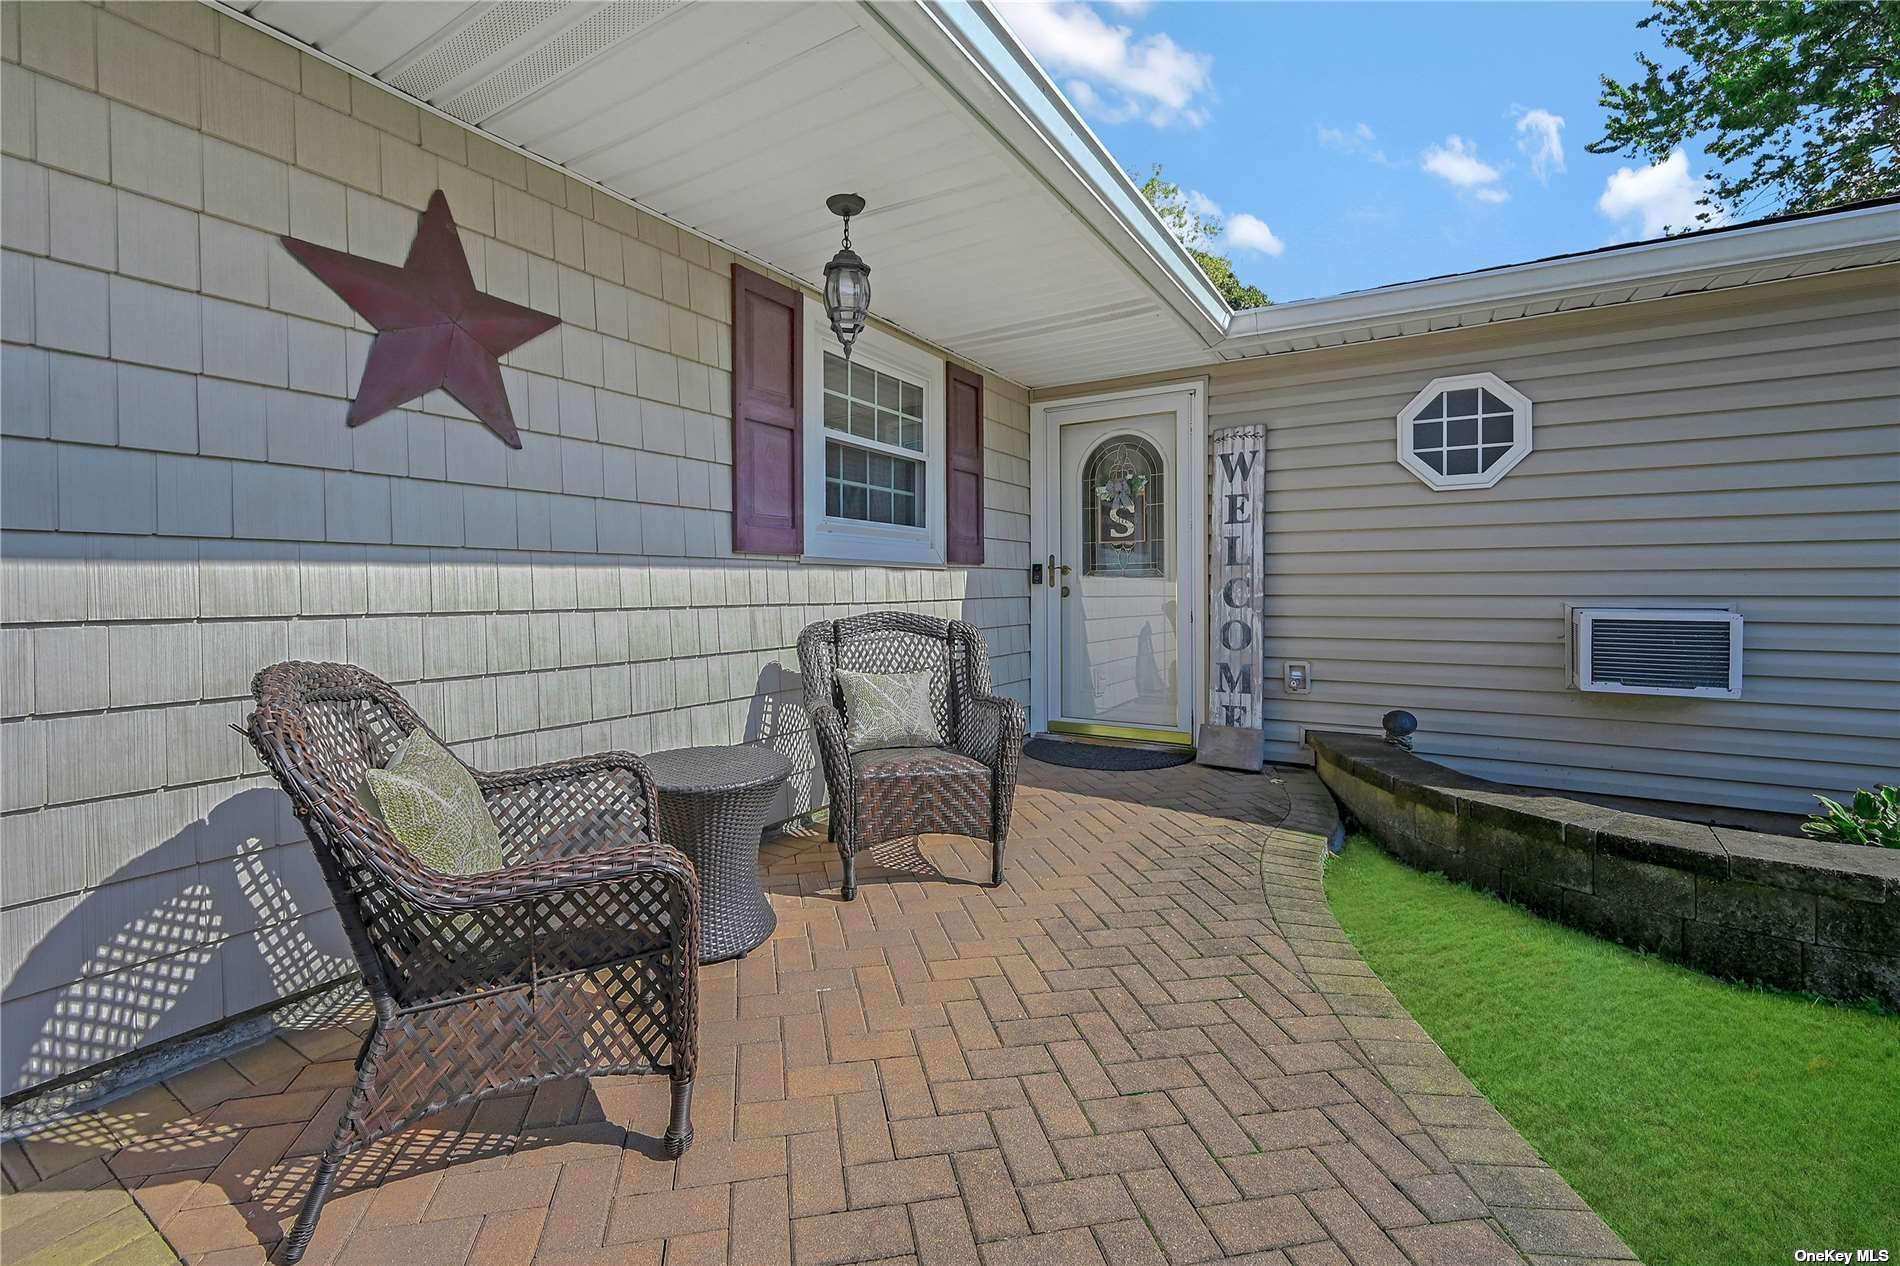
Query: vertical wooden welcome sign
{"type": "Point", "coordinates": [1232, 736]}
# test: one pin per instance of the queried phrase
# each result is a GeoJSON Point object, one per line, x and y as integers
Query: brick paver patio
{"type": "Point", "coordinates": [1153, 1045]}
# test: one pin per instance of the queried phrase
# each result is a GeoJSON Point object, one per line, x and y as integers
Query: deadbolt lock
{"type": "Point", "coordinates": [1065, 588]}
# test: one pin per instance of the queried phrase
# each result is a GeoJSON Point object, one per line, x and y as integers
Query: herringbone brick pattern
{"type": "Point", "coordinates": [1153, 1045]}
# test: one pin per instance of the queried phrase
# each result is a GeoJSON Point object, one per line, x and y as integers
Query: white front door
{"type": "Point", "coordinates": [1120, 610]}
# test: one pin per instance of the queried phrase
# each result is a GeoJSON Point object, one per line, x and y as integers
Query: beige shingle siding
{"type": "Point", "coordinates": [1735, 448]}
{"type": "Point", "coordinates": [183, 504]}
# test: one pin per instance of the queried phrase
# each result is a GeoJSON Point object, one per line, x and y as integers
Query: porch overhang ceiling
{"type": "Point", "coordinates": [996, 225]}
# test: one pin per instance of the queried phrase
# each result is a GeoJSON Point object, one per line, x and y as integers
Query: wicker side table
{"type": "Point", "coordinates": [713, 802]}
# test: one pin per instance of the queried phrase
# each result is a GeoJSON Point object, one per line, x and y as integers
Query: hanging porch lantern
{"type": "Point", "coordinates": [847, 278]}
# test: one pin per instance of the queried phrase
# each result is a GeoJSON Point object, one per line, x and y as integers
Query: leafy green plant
{"type": "Point", "coordinates": [1873, 819]}
{"type": "Point", "coordinates": [1198, 232]}
{"type": "Point", "coordinates": [1797, 102]}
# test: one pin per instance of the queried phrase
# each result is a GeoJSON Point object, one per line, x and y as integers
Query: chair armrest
{"type": "Point", "coordinates": [835, 758]}
{"type": "Point", "coordinates": [571, 807]}
{"type": "Point", "coordinates": [556, 771]}
{"type": "Point", "coordinates": [551, 876]}
{"type": "Point", "coordinates": [463, 934]}
{"type": "Point", "coordinates": [992, 731]}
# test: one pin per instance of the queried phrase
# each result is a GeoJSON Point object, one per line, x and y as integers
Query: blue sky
{"type": "Point", "coordinates": [1354, 145]}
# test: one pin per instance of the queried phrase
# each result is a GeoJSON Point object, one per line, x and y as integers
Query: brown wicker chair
{"type": "Point", "coordinates": [963, 788]}
{"type": "Point", "coordinates": [579, 957]}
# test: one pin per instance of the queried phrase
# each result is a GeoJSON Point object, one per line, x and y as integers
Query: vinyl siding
{"type": "Point", "coordinates": [183, 504]}
{"type": "Point", "coordinates": [1739, 448]}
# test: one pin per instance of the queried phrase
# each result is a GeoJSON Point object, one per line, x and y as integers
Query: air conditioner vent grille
{"type": "Point", "coordinates": [1672, 652]}
{"type": "Point", "coordinates": [1679, 656]}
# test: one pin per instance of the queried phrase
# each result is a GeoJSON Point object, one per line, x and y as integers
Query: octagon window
{"type": "Point", "coordinates": [1464, 432]}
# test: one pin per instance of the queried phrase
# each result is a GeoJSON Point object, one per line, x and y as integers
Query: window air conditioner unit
{"type": "Point", "coordinates": [1694, 652]}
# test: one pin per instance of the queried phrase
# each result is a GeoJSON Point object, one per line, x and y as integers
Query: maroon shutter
{"type": "Point", "coordinates": [768, 505]}
{"type": "Point", "coordinates": [963, 500]}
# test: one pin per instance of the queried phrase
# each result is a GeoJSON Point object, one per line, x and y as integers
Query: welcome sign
{"type": "Point", "coordinates": [1231, 737]}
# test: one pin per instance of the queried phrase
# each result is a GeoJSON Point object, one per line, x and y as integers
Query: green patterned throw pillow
{"type": "Point", "coordinates": [430, 803]}
{"type": "Point", "coordinates": [888, 710]}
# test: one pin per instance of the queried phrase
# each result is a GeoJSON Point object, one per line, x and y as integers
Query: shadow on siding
{"type": "Point", "coordinates": [164, 964]}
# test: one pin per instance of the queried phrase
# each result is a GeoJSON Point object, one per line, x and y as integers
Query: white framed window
{"type": "Point", "coordinates": [874, 449]}
{"type": "Point", "coordinates": [1465, 431]}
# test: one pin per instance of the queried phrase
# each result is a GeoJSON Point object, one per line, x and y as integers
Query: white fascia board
{"type": "Point", "coordinates": [975, 56]}
{"type": "Point", "coordinates": [1554, 285]}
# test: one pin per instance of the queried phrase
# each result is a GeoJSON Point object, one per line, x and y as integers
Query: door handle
{"type": "Point", "coordinates": [1064, 569]}
{"type": "Point", "coordinates": [1052, 569]}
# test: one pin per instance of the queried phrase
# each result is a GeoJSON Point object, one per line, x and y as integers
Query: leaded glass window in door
{"type": "Point", "coordinates": [1124, 515]}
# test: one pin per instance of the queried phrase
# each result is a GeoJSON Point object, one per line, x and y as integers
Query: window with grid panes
{"type": "Point", "coordinates": [874, 444]}
{"type": "Point", "coordinates": [1464, 432]}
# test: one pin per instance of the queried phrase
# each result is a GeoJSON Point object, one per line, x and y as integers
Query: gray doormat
{"type": "Point", "coordinates": [1104, 756]}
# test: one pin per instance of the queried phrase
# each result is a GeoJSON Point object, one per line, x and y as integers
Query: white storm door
{"type": "Point", "coordinates": [1122, 625]}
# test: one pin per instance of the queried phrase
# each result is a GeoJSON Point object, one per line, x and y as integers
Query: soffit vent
{"type": "Point", "coordinates": [550, 59]}
{"type": "Point", "coordinates": [1694, 652]}
{"type": "Point", "coordinates": [488, 36]}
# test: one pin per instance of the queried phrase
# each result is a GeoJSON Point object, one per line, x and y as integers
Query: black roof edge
{"type": "Point", "coordinates": [1788, 217]}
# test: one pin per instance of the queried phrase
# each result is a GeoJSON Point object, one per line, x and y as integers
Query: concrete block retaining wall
{"type": "Point", "coordinates": [1795, 914]}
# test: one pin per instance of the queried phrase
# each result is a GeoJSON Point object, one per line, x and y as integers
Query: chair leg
{"type": "Point", "coordinates": [996, 863]}
{"type": "Point", "coordinates": [679, 1127]}
{"type": "Point", "coordinates": [367, 1061]}
{"type": "Point", "coordinates": [850, 892]}
{"type": "Point", "coordinates": [306, 1226]}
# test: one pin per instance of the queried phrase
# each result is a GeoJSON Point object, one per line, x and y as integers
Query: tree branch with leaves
{"type": "Point", "coordinates": [1800, 101]}
{"type": "Point", "coordinates": [1197, 232]}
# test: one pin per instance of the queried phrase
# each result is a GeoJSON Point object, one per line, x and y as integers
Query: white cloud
{"type": "Point", "coordinates": [1663, 196]}
{"type": "Point", "coordinates": [1346, 138]}
{"type": "Point", "coordinates": [1090, 102]}
{"type": "Point", "coordinates": [1357, 139]}
{"type": "Point", "coordinates": [1133, 8]}
{"type": "Point", "coordinates": [1457, 161]}
{"type": "Point", "coordinates": [1241, 232]}
{"type": "Point", "coordinates": [1540, 135]}
{"type": "Point", "coordinates": [1250, 233]}
{"type": "Point", "coordinates": [1122, 76]}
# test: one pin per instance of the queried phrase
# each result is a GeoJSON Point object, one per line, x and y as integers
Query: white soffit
{"type": "Point", "coordinates": [738, 119]}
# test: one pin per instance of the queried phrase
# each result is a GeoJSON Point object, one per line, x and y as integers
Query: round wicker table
{"type": "Point", "coordinates": [713, 802]}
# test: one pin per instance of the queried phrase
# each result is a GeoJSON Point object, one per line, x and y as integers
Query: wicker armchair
{"type": "Point", "coordinates": [963, 788]}
{"type": "Point", "coordinates": [578, 957]}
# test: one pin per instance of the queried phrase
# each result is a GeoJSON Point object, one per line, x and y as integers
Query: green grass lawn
{"type": "Point", "coordinates": [1707, 1122]}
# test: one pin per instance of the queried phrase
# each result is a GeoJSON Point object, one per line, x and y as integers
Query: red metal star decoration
{"type": "Point", "coordinates": [433, 328]}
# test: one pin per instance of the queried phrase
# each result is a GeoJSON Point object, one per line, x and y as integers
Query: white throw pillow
{"type": "Point", "coordinates": [888, 710]}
